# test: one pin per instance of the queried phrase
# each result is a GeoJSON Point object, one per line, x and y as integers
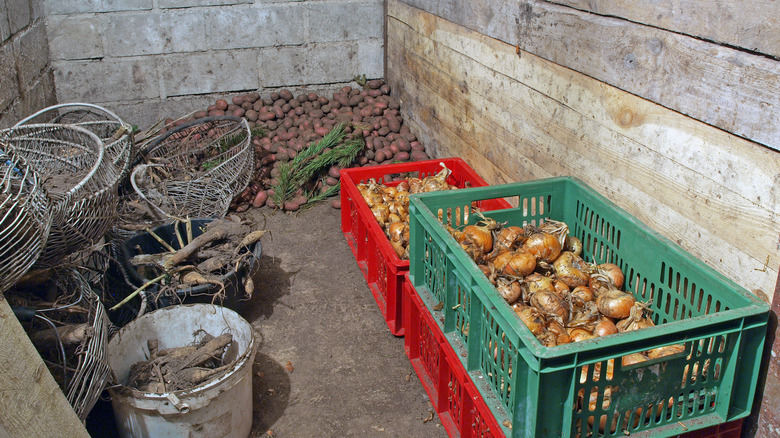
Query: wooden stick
{"type": "Point", "coordinates": [159, 239]}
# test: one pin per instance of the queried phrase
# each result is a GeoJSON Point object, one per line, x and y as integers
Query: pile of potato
{"type": "Point", "coordinates": [292, 122]}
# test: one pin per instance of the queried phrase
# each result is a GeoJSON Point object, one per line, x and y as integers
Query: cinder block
{"type": "Point", "coordinates": [199, 73]}
{"type": "Point", "coordinates": [310, 64]}
{"type": "Point", "coordinates": [345, 21]}
{"type": "Point", "coordinates": [37, 10]}
{"type": "Point", "coordinates": [252, 27]}
{"type": "Point", "coordinates": [54, 7]}
{"type": "Point", "coordinates": [191, 3]}
{"type": "Point", "coordinates": [32, 53]}
{"type": "Point", "coordinates": [9, 86]}
{"type": "Point", "coordinates": [108, 79]}
{"type": "Point", "coordinates": [74, 37]}
{"type": "Point", "coordinates": [40, 95]}
{"type": "Point", "coordinates": [18, 14]}
{"type": "Point", "coordinates": [5, 31]}
{"type": "Point", "coordinates": [153, 33]}
{"type": "Point", "coordinates": [371, 58]}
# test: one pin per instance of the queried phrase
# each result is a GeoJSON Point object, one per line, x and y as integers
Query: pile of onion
{"type": "Point", "coordinates": [560, 297]}
{"type": "Point", "coordinates": [390, 204]}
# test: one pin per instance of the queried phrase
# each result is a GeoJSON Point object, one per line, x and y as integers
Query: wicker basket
{"type": "Point", "coordinates": [81, 184]}
{"type": "Point", "coordinates": [80, 363]}
{"type": "Point", "coordinates": [115, 133]}
{"type": "Point", "coordinates": [197, 168]}
{"type": "Point", "coordinates": [25, 217]}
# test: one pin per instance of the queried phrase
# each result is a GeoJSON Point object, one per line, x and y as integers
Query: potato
{"type": "Point", "coordinates": [216, 112]}
{"type": "Point", "coordinates": [260, 198]}
{"type": "Point", "coordinates": [335, 203]}
{"type": "Point", "coordinates": [200, 114]}
{"type": "Point", "coordinates": [221, 104]}
{"type": "Point", "coordinates": [418, 156]}
{"type": "Point", "coordinates": [401, 156]}
{"type": "Point", "coordinates": [285, 94]}
{"type": "Point", "coordinates": [251, 115]}
{"type": "Point", "coordinates": [237, 100]}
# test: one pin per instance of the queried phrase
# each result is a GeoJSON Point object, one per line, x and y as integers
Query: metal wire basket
{"type": "Point", "coordinates": [25, 217]}
{"type": "Point", "coordinates": [80, 182]}
{"type": "Point", "coordinates": [116, 134]}
{"type": "Point", "coordinates": [197, 168]}
{"type": "Point", "coordinates": [71, 335]}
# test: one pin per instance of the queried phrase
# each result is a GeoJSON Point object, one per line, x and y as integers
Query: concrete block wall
{"type": "Point", "coordinates": [26, 80]}
{"type": "Point", "coordinates": [151, 59]}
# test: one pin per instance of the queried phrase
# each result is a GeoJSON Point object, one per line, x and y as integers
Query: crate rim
{"type": "Point", "coordinates": [756, 308]}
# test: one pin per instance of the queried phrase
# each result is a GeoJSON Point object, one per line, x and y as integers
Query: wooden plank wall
{"type": "Point", "coordinates": [669, 109]}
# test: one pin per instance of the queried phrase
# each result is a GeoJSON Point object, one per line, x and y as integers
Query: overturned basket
{"type": "Point", "coordinates": [71, 334]}
{"type": "Point", "coordinates": [25, 217]}
{"type": "Point", "coordinates": [197, 168]}
{"type": "Point", "coordinates": [115, 133]}
{"type": "Point", "coordinates": [80, 182]}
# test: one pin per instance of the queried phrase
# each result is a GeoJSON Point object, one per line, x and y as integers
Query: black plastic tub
{"type": "Point", "coordinates": [145, 243]}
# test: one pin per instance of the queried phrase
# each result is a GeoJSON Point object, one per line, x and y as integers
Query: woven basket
{"type": "Point", "coordinates": [197, 168]}
{"type": "Point", "coordinates": [25, 217]}
{"type": "Point", "coordinates": [116, 134]}
{"type": "Point", "coordinates": [80, 181]}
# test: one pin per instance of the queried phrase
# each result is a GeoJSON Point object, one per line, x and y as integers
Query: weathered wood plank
{"type": "Point", "coordinates": [750, 24]}
{"type": "Point", "coordinates": [31, 403]}
{"type": "Point", "coordinates": [679, 176]}
{"type": "Point", "coordinates": [727, 88]}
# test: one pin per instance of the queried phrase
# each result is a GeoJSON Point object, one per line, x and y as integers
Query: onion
{"type": "Point", "coordinates": [559, 331]}
{"type": "Point", "coordinates": [561, 288]}
{"type": "Point", "coordinates": [381, 213]}
{"type": "Point", "coordinates": [613, 272]}
{"type": "Point", "coordinates": [550, 304]}
{"type": "Point", "coordinates": [532, 318]}
{"type": "Point", "coordinates": [605, 327]}
{"type": "Point", "coordinates": [507, 237]}
{"type": "Point", "coordinates": [520, 264]}
{"type": "Point", "coordinates": [580, 334]}
{"type": "Point", "coordinates": [510, 290]}
{"type": "Point", "coordinates": [396, 231]}
{"type": "Point", "coordinates": [633, 358]}
{"type": "Point", "coordinates": [583, 293]}
{"type": "Point", "coordinates": [477, 235]}
{"type": "Point", "coordinates": [501, 259]}
{"type": "Point", "coordinates": [637, 319]}
{"type": "Point", "coordinates": [573, 244]}
{"type": "Point", "coordinates": [544, 246]}
{"type": "Point", "coordinates": [615, 304]}
{"type": "Point", "coordinates": [567, 270]}
{"type": "Point", "coordinates": [537, 282]}
{"type": "Point", "coordinates": [665, 351]}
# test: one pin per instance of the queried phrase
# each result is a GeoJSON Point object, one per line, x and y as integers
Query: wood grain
{"type": "Point", "coordinates": [32, 403]}
{"type": "Point", "coordinates": [724, 87]}
{"type": "Point", "coordinates": [749, 24]}
{"type": "Point", "coordinates": [711, 192]}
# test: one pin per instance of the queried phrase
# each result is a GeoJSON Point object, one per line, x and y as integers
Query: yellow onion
{"type": "Point", "coordinates": [501, 258]}
{"type": "Point", "coordinates": [520, 264]}
{"type": "Point", "coordinates": [532, 318]}
{"type": "Point", "coordinates": [583, 293]}
{"type": "Point", "coordinates": [636, 319]}
{"type": "Point", "coordinates": [479, 234]}
{"type": "Point", "coordinates": [615, 304]}
{"type": "Point", "coordinates": [550, 304]}
{"type": "Point", "coordinates": [605, 327]}
{"type": "Point", "coordinates": [381, 213]}
{"type": "Point", "coordinates": [561, 288]}
{"type": "Point", "coordinates": [537, 282]}
{"type": "Point", "coordinates": [507, 237]}
{"type": "Point", "coordinates": [580, 334]}
{"type": "Point", "coordinates": [403, 186]}
{"type": "Point", "coordinates": [559, 331]}
{"type": "Point", "coordinates": [573, 244]}
{"type": "Point", "coordinates": [633, 358]}
{"type": "Point", "coordinates": [396, 231]}
{"type": "Point", "coordinates": [510, 290]}
{"type": "Point", "coordinates": [415, 185]}
{"type": "Point", "coordinates": [392, 217]}
{"type": "Point", "coordinates": [613, 272]}
{"type": "Point", "coordinates": [665, 351]}
{"type": "Point", "coordinates": [567, 270]}
{"type": "Point", "coordinates": [544, 246]}
{"type": "Point", "coordinates": [373, 198]}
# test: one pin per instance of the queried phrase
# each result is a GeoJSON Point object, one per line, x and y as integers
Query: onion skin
{"type": "Point", "coordinates": [637, 319]}
{"type": "Point", "coordinates": [478, 235]}
{"type": "Point", "coordinates": [566, 269]}
{"type": "Point", "coordinates": [507, 237]}
{"type": "Point", "coordinates": [509, 290]}
{"type": "Point", "coordinates": [573, 244]}
{"type": "Point", "coordinates": [532, 318]}
{"type": "Point", "coordinates": [615, 304]}
{"type": "Point", "coordinates": [537, 282]}
{"type": "Point", "coordinates": [583, 293]}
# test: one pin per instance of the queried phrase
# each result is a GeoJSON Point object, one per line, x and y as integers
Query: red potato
{"type": "Point", "coordinates": [247, 105]}
{"type": "Point", "coordinates": [321, 131]}
{"type": "Point", "coordinates": [260, 198]}
{"type": "Point", "coordinates": [200, 114]}
{"type": "Point", "coordinates": [251, 115]}
{"type": "Point", "coordinates": [221, 104]}
{"type": "Point", "coordinates": [239, 112]}
{"type": "Point", "coordinates": [403, 145]}
{"type": "Point", "coordinates": [379, 156]}
{"type": "Point", "coordinates": [418, 156]}
{"type": "Point", "coordinates": [375, 93]}
{"type": "Point", "coordinates": [401, 156]}
{"type": "Point", "coordinates": [335, 203]}
{"type": "Point", "coordinates": [331, 181]}
{"type": "Point", "coordinates": [237, 100]}
{"type": "Point", "coordinates": [285, 94]}
{"type": "Point", "coordinates": [295, 103]}
{"type": "Point", "coordinates": [394, 124]}
{"type": "Point", "coordinates": [216, 112]}
{"type": "Point", "coordinates": [211, 107]}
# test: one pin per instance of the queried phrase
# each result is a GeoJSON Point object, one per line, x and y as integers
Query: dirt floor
{"type": "Point", "coordinates": [326, 365]}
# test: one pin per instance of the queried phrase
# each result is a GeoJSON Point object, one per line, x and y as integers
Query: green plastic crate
{"type": "Point", "coordinates": [540, 390]}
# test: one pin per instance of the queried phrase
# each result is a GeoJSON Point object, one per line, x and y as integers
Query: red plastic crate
{"type": "Point", "coordinates": [456, 400]}
{"type": "Point", "coordinates": [381, 266]}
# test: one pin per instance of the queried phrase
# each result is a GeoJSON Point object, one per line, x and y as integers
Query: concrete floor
{"type": "Point", "coordinates": [326, 365]}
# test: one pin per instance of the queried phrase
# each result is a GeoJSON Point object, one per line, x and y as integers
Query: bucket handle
{"type": "Point", "coordinates": [178, 404]}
